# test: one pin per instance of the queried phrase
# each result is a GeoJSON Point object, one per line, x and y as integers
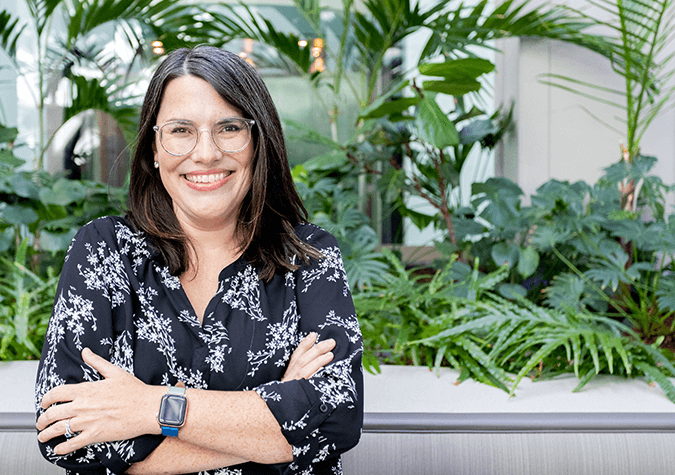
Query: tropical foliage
{"type": "Point", "coordinates": [578, 281]}
{"type": "Point", "coordinates": [90, 51]}
{"type": "Point", "coordinates": [39, 215]}
{"type": "Point", "coordinates": [641, 53]}
{"type": "Point", "coordinates": [455, 319]}
{"type": "Point", "coordinates": [45, 210]}
{"type": "Point", "coordinates": [26, 300]}
{"type": "Point", "coordinates": [577, 250]}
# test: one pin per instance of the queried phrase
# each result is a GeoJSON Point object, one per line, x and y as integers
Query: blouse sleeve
{"type": "Point", "coordinates": [92, 291]}
{"type": "Point", "coordinates": [322, 417]}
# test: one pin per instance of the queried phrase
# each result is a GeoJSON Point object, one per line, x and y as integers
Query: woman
{"type": "Point", "coordinates": [211, 329]}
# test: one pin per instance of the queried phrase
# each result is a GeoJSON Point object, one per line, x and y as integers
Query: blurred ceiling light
{"type": "Point", "coordinates": [248, 45]}
{"type": "Point", "coordinates": [302, 43]}
{"type": "Point", "coordinates": [157, 47]}
{"type": "Point", "coordinates": [318, 65]}
{"type": "Point", "coordinates": [317, 47]}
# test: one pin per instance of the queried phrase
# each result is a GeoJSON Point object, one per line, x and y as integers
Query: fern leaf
{"type": "Point", "coordinates": [534, 361]}
{"type": "Point", "coordinates": [482, 358]}
{"type": "Point", "coordinates": [583, 381]}
{"type": "Point", "coordinates": [607, 346]}
{"type": "Point", "coordinates": [654, 373]}
{"type": "Point", "coordinates": [589, 338]}
{"type": "Point", "coordinates": [439, 359]}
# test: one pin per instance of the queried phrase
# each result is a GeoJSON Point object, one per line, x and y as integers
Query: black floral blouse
{"type": "Point", "coordinates": [117, 298]}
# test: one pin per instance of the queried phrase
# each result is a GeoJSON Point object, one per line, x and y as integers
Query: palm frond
{"type": "Point", "coordinates": [10, 31]}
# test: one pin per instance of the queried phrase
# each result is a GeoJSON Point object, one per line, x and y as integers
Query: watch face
{"type": "Point", "coordinates": [172, 410]}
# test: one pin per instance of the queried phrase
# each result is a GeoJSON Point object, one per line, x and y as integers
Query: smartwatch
{"type": "Point", "coordinates": [172, 411]}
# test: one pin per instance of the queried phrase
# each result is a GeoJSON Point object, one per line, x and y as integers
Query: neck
{"type": "Point", "coordinates": [212, 248]}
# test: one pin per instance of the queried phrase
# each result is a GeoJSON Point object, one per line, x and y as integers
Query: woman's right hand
{"type": "Point", "coordinates": [308, 358]}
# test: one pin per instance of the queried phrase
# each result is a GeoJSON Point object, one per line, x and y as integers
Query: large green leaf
{"type": "Point", "coordinates": [6, 239]}
{"type": "Point", "coordinates": [8, 134]}
{"type": "Point", "coordinates": [17, 214]}
{"type": "Point", "coordinates": [390, 107]}
{"type": "Point", "coordinates": [434, 126]}
{"type": "Point", "coordinates": [505, 254]}
{"type": "Point", "coordinates": [452, 88]}
{"type": "Point", "coordinates": [24, 187]}
{"type": "Point", "coordinates": [53, 242]}
{"type": "Point", "coordinates": [8, 159]}
{"type": "Point", "coordinates": [528, 261]}
{"type": "Point", "coordinates": [458, 69]}
{"type": "Point", "coordinates": [63, 193]}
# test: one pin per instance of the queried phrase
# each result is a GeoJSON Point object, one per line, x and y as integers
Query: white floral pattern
{"type": "Point", "coordinates": [117, 298]}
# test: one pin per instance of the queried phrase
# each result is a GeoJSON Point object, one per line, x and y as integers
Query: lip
{"type": "Point", "coordinates": [208, 186]}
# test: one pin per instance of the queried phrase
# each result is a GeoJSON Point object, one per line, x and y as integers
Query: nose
{"type": "Point", "coordinates": [205, 150]}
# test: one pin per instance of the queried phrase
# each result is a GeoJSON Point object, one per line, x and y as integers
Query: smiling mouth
{"type": "Point", "coordinates": [207, 178]}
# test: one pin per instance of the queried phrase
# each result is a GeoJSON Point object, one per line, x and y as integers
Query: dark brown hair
{"type": "Point", "coordinates": [270, 209]}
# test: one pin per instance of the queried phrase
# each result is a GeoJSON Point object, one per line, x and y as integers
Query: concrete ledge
{"type": "Point", "coordinates": [420, 422]}
{"type": "Point", "coordinates": [415, 422]}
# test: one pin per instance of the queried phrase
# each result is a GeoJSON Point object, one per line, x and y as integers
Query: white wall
{"type": "Point", "coordinates": [556, 135]}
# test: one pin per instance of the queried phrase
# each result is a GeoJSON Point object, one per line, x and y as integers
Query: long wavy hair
{"type": "Point", "coordinates": [270, 209]}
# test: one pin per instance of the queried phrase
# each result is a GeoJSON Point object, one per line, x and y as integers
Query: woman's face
{"type": "Point", "coordinates": [207, 185]}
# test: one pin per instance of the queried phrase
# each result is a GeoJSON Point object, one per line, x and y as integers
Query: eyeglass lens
{"type": "Point", "coordinates": [229, 135]}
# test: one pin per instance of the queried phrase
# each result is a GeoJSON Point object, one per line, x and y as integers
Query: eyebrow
{"type": "Point", "coordinates": [176, 119]}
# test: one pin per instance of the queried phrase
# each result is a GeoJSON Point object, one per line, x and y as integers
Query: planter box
{"type": "Point", "coordinates": [417, 422]}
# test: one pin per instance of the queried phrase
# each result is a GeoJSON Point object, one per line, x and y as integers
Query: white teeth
{"type": "Point", "coordinates": [206, 178]}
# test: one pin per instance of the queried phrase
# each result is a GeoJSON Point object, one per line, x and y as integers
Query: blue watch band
{"type": "Point", "coordinates": [172, 411]}
{"type": "Point", "coordinates": [170, 431]}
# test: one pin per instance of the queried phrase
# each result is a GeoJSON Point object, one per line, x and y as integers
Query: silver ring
{"type": "Point", "coordinates": [68, 433]}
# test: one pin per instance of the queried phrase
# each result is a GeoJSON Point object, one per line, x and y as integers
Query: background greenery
{"type": "Point", "coordinates": [579, 281]}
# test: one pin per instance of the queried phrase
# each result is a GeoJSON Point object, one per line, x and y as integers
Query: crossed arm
{"type": "Point", "coordinates": [222, 428]}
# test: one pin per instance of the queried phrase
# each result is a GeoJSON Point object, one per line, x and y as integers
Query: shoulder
{"type": "Point", "coordinates": [112, 232]}
{"type": "Point", "coordinates": [315, 236]}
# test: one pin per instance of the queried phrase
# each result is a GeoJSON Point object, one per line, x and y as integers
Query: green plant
{"type": "Point", "coordinates": [353, 68]}
{"type": "Point", "coordinates": [326, 188]}
{"type": "Point", "coordinates": [639, 50]}
{"type": "Point", "coordinates": [26, 300]}
{"type": "Point", "coordinates": [576, 248]}
{"type": "Point", "coordinates": [46, 210]}
{"type": "Point", "coordinates": [455, 319]}
{"type": "Point", "coordinates": [74, 46]}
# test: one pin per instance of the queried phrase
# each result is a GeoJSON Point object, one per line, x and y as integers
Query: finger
{"type": "Point", "coordinates": [317, 350]}
{"type": "Point", "coordinates": [52, 416]}
{"type": "Point", "coordinates": [71, 445]}
{"type": "Point", "coordinates": [55, 430]}
{"type": "Point", "coordinates": [103, 366]}
{"type": "Point", "coordinates": [63, 393]}
{"type": "Point", "coordinates": [305, 345]}
{"type": "Point", "coordinates": [315, 365]}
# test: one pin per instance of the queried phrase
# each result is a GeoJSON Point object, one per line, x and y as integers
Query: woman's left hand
{"type": "Point", "coordinates": [117, 407]}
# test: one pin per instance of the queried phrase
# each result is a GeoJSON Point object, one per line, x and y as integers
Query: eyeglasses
{"type": "Point", "coordinates": [180, 137]}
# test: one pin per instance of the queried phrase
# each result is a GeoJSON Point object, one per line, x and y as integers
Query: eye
{"type": "Point", "coordinates": [230, 127]}
{"type": "Point", "coordinates": [179, 129]}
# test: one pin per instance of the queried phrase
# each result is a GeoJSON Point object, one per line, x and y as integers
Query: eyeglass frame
{"type": "Point", "coordinates": [249, 124]}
